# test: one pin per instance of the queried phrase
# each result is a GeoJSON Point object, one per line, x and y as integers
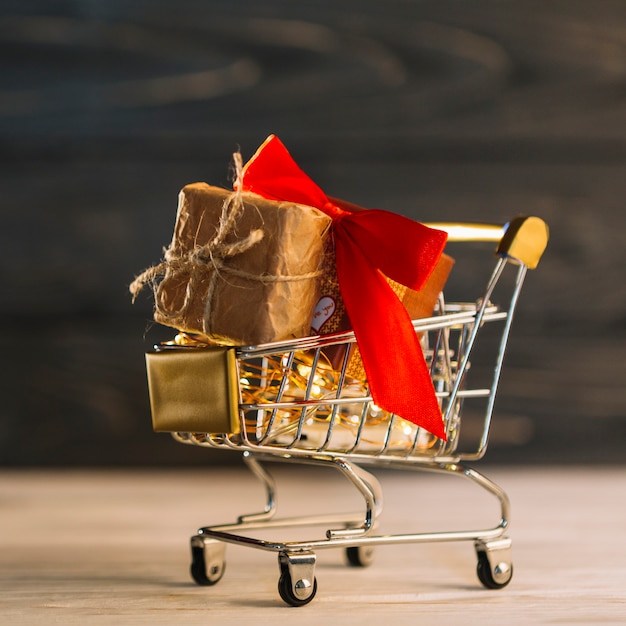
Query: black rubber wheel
{"type": "Point", "coordinates": [360, 556]}
{"type": "Point", "coordinates": [286, 592]}
{"type": "Point", "coordinates": [483, 570]}
{"type": "Point", "coordinates": [198, 568]}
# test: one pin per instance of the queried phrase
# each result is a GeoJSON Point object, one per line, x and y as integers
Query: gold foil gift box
{"type": "Point", "coordinates": [194, 389]}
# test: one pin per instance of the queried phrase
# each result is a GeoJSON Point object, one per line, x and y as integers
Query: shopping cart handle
{"type": "Point", "coordinates": [523, 239]}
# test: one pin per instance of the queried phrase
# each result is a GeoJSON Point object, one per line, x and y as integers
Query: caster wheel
{"type": "Point", "coordinates": [303, 593]}
{"type": "Point", "coordinates": [360, 556]}
{"type": "Point", "coordinates": [207, 562]}
{"type": "Point", "coordinates": [504, 573]}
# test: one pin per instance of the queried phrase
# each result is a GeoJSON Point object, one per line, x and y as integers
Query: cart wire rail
{"type": "Point", "coordinates": [293, 405]}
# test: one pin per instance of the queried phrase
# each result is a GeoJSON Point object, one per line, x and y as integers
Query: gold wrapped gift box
{"type": "Point", "coordinates": [194, 390]}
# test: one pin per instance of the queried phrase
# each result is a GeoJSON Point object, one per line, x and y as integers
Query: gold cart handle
{"type": "Point", "coordinates": [523, 239]}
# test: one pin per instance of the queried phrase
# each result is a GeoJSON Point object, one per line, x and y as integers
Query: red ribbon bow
{"type": "Point", "coordinates": [368, 244]}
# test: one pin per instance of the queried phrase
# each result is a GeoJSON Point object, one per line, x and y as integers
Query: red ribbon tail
{"type": "Point", "coordinates": [394, 363]}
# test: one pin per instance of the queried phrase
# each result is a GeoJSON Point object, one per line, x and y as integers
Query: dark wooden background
{"type": "Point", "coordinates": [447, 110]}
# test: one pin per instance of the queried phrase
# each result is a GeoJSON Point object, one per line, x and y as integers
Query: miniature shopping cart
{"type": "Point", "coordinates": [297, 401]}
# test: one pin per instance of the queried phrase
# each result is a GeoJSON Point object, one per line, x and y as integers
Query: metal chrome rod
{"type": "Point", "coordinates": [346, 540]}
{"type": "Point", "coordinates": [270, 491]}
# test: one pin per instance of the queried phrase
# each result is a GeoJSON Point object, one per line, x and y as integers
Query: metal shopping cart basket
{"type": "Point", "coordinates": [285, 401]}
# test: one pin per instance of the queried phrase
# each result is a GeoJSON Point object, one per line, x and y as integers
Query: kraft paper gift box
{"type": "Point", "coordinates": [241, 270]}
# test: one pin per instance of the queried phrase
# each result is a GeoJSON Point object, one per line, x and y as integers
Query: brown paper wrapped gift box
{"type": "Point", "coordinates": [241, 270]}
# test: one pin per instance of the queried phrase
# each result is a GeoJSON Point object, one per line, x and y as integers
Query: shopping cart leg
{"type": "Point", "coordinates": [269, 485]}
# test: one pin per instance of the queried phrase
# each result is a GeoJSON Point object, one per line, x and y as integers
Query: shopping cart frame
{"type": "Point", "coordinates": [520, 244]}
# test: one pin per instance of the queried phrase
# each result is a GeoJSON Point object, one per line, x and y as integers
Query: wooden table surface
{"type": "Point", "coordinates": [111, 547]}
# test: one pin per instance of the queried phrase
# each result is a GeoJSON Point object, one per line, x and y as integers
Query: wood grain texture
{"type": "Point", "coordinates": [112, 547]}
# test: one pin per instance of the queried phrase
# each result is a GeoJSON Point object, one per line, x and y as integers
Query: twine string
{"type": "Point", "coordinates": [208, 261]}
